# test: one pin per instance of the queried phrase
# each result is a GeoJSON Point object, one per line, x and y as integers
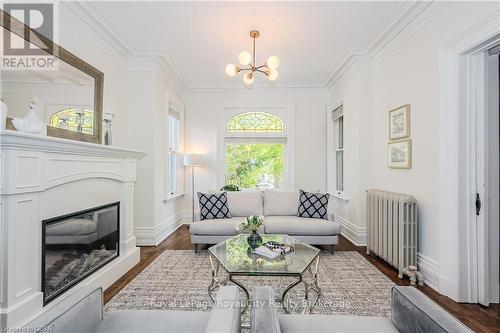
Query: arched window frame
{"type": "Point", "coordinates": [71, 109]}
{"type": "Point", "coordinates": [276, 124]}
{"type": "Point", "coordinates": [286, 112]}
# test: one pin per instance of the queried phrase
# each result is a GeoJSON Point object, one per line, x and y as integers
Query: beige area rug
{"type": "Point", "coordinates": [178, 280]}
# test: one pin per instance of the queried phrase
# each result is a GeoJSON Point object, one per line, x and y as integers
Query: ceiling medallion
{"type": "Point", "coordinates": [247, 62]}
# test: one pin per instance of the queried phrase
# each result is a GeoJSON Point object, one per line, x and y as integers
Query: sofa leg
{"type": "Point", "coordinates": [196, 248]}
{"type": "Point", "coordinates": [332, 249]}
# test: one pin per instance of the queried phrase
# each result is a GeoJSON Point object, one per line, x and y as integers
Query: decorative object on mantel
{"type": "Point", "coordinates": [399, 122]}
{"type": "Point", "coordinates": [192, 160]}
{"type": "Point", "coordinates": [108, 121]}
{"type": "Point", "coordinates": [245, 58]}
{"type": "Point", "coordinates": [30, 123]}
{"type": "Point", "coordinates": [253, 224]}
{"type": "Point", "coordinates": [3, 115]}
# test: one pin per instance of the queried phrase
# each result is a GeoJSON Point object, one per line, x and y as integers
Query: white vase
{"type": "Point", "coordinates": [30, 123]}
{"type": "Point", "coordinates": [3, 110]}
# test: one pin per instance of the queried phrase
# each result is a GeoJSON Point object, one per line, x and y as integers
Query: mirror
{"type": "Point", "coordinates": [66, 98]}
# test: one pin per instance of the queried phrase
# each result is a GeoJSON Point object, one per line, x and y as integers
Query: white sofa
{"type": "Point", "coordinates": [279, 209]}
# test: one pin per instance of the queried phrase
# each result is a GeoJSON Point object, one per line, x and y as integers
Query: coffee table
{"type": "Point", "coordinates": [236, 258]}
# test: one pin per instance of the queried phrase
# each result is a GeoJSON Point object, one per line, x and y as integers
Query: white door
{"type": "Point", "coordinates": [487, 181]}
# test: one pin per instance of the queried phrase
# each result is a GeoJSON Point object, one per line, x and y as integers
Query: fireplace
{"type": "Point", "coordinates": [76, 245]}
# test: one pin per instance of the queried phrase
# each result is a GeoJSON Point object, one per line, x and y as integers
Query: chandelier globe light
{"type": "Point", "coordinates": [247, 63]}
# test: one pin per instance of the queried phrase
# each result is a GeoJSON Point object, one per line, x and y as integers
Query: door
{"type": "Point", "coordinates": [487, 181]}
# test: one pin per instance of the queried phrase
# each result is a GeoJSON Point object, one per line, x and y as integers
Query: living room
{"type": "Point", "coordinates": [250, 166]}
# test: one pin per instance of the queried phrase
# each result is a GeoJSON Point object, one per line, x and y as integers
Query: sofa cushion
{"type": "Point", "coordinates": [66, 315]}
{"type": "Point", "coordinates": [313, 205]}
{"type": "Point", "coordinates": [220, 227]}
{"type": "Point", "coordinates": [245, 203]}
{"type": "Point", "coordinates": [328, 324]}
{"type": "Point", "coordinates": [278, 203]}
{"type": "Point", "coordinates": [293, 225]}
{"type": "Point", "coordinates": [213, 206]}
{"type": "Point", "coordinates": [413, 312]}
{"type": "Point", "coordinates": [138, 321]}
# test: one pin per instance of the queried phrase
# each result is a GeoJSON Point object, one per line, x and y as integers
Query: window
{"type": "Point", "coordinates": [255, 158]}
{"type": "Point", "coordinates": [255, 165]}
{"type": "Point", "coordinates": [74, 119]}
{"type": "Point", "coordinates": [338, 119]}
{"type": "Point", "coordinates": [174, 175]}
{"type": "Point", "coordinates": [255, 122]}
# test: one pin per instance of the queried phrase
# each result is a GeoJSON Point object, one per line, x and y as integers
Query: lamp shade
{"type": "Point", "coordinates": [192, 160]}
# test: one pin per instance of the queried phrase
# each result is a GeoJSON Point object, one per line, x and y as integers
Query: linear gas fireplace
{"type": "Point", "coordinates": [76, 245]}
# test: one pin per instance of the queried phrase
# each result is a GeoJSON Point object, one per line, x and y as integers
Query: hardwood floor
{"type": "Point", "coordinates": [478, 318]}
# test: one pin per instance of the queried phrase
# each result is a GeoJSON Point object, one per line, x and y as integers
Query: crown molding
{"type": "Point", "coordinates": [245, 91]}
{"type": "Point", "coordinates": [136, 59]}
{"type": "Point", "coordinates": [394, 30]}
{"type": "Point", "coordinates": [86, 12]}
{"type": "Point", "coordinates": [397, 28]}
{"type": "Point", "coordinates": [143, 60]}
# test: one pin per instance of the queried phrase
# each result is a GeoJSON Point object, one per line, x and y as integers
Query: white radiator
{"type": "Point", "coordinates": [392, 228]}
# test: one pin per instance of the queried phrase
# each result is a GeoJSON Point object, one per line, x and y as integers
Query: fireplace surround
{"type": "Point", "coordinates": [45, 177]}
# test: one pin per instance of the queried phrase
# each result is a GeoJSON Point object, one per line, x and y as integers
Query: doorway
{"type": "Point", "coordinates": [484, 227]}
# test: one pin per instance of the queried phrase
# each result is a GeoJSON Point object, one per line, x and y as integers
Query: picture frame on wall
{"type": "Point", "coordinates": [399, 122]}
{"type": "Point", "coordinates": [399, 154]}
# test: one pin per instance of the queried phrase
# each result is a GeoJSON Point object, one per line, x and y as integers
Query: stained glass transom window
{"type": "Point", "coordinates": [255, 122]}
{"type": "Point", "coordinates": [72, 119]}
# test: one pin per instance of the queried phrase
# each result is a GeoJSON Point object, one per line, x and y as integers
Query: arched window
{"type": "Point", "coordinates": [73, 119]}
{"type": "Point", "coordinates": [255, 122]}
{"type": "Point", "coordinates": [257, 159]}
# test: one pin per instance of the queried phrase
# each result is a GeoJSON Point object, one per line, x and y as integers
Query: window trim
{"type": "Point", "coordinates": [284, 111]}
{"type": "Point", "coordinates": [339, 146]}
{"type": "Point", "coordinates": [174, 109]}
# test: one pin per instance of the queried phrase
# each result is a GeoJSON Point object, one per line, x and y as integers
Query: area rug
{"type": "Point", "coordinates": [178, 280]}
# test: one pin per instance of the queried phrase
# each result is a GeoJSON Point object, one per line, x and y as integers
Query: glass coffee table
{"type": "Point", "coordinates": [236, 258]}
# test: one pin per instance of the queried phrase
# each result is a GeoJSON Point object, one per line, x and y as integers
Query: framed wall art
{"type": "Point", "coordinates": [400, 154]}
{"type": "Point", "coordinates": [399, 123]}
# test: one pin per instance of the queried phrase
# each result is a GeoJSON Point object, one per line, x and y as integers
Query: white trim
{"type": "Point", "coordinates": [395, 29]}
{"type": "Point", "coordinates": [429, 269]}
{"type": "Point", "coordinates": [340, 196]}
{"type": "Point", "coordinates": [174, 196]}
{"type": "Point", "coordinates": [355, 234]}
{"type": "Point", "coordinates": [33, 142]}
{"type": "Point", "coordinates": [152, 236]}
{"type": "Point", "coordinates": [455, 172]}
{"type": "Point", "coordinates": [229, 108]}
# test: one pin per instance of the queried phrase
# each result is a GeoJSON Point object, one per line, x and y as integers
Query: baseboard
{"type": "Point", "coordinates": [429, 269]}
{"type": "Point", "coordinates": [152, 236]}
{"type": "Point", "coordinates": [355, 234]}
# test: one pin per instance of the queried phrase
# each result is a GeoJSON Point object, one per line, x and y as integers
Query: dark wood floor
{"type": "Point", "coordinates": [477, 317]}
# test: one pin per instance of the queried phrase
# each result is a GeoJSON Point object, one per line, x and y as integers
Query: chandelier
{"type": "Point", "coordinates": [247, 62]}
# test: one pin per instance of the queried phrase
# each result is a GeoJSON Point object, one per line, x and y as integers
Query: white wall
{"type": "Point", "coordinates": [354, 93]}
{"type": "Point", "coordinates": [135, 92]}
{"type": "Point", "coordinates": [406, 72]}
{"type": "Point", "coordinates": [204, 107]}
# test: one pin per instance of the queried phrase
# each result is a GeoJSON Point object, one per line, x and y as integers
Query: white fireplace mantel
{"type": "Point", "coordinates": [44, 177]}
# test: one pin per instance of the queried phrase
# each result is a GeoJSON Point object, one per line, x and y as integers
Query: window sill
{"type": "Point", "coordinates": [173, 197]}
{"type": "Point", "coordinates": [341, 197]}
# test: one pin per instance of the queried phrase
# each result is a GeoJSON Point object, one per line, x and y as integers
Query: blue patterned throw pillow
{"type": "Point", "coordinates": [313, 205]}
{"type": "Point", "coordinates": [213, 206]}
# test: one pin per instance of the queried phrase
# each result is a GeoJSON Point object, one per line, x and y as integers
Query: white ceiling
{"type": "Point", "coordinates": [200, 38]}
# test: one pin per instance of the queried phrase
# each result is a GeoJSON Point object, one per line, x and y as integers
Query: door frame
{"type": "Point", "coordinates": [461, 107]}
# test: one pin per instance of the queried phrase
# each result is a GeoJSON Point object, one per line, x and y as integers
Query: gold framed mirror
{"type": "Point", "coordinates": [68, 99]}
